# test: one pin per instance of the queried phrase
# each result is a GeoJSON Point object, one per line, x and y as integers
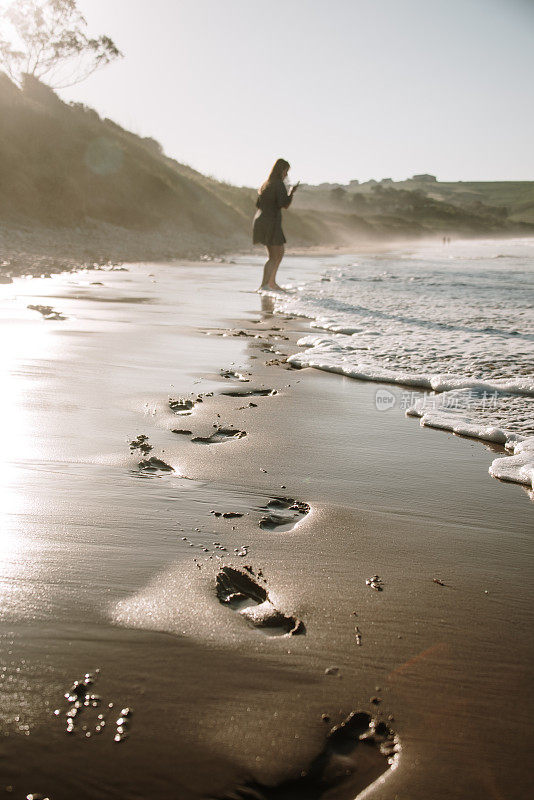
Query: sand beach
{"type": "Point", "coordinates": [223, 576]}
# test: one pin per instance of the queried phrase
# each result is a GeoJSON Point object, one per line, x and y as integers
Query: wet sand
{"type": "Point", "coordinates": [239, 642]}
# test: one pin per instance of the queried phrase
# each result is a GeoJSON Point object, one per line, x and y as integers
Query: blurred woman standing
{"type": "Point", "coordinates": [267, 229]}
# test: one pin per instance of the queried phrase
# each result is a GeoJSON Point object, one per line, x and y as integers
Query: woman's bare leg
{"type": "Point", "coordinates": [279, 256]}
{"type": "Point", "coordinates": [266, 271]}
{"type": "Point", "coordinates": [276, 254]}
{"type": "Point", "coordinates": [271, 265]}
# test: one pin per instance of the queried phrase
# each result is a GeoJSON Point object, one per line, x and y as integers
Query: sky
{"type": "Point", "coordinates": [343, 89]}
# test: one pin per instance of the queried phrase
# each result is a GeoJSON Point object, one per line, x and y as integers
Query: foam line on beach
{"type": "Point", "coordinates": [463, 426]}
{"type": "Point", "coordinates": [519, 467]}
{"type": "Point", "coordinates": [516, 468]}
{"type": "Point", "coordinates": [439, 323]}
{"type": "Point", "coordinates": [329, 355]}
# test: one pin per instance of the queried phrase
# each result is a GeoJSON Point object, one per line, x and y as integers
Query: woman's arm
{"type": "Point", "coordinates": [282, 197]}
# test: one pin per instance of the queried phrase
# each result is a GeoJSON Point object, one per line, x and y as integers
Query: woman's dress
{"type": "Point", "coordinates": [267, 228]}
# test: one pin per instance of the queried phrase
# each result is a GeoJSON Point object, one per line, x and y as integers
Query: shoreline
{"type": "Point", "coordinates": [517, 465]}
{"type": "Point", "coordinates": [444, 396]}
{"type": "Point", "coordinates": [383, 498]}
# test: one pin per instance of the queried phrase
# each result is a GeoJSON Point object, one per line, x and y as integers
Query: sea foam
{"type": "Point", "coordinates": [518, 467]}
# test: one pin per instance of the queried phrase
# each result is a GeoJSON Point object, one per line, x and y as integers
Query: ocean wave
{"type": "Point", "coordinates": [447, 323]}
{"type": "Point", "coordinates": [519, 467]}
{"type": "Point", "coordinates": [329, 355]}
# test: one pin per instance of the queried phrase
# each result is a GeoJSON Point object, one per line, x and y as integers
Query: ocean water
{"type": "Point", "coordinates": [455, 322]}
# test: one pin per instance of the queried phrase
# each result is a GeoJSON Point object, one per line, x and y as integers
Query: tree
{"type": "Point", "coordinates": [47, 39]}
{"type": "Point", "coordinates": [338, 194]}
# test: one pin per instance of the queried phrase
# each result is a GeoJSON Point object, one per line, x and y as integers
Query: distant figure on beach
{"type": "Point", "coordinates": [272, 198]}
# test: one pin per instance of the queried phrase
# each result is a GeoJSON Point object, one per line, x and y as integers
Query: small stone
{"type": "Point", "coordinates": [375, 583]}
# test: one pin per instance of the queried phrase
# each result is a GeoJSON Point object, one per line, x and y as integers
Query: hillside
{"type": "Point", "coordinates": [76, 188]}
{"type": "Point", "coordinates": [516, 196]}
{"type": "Point", "coordinates": [422, 206]}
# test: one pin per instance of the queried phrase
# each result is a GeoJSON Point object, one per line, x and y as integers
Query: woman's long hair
{"type": "Point", "coordinates": [280, 165]}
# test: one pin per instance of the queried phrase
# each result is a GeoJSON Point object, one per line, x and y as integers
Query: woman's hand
{"type": "Point", "coordinates": [294, 188]}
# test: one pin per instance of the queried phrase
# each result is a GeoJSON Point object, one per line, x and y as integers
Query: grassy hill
{"type": "Point", "coordinates": [427, 207]}
{"type": "Point", "coordinates": [516, 196]}
{"type": "Point", "coordinates": [61, 165]}
{"type": "Point", "coordinates": [78, 188]}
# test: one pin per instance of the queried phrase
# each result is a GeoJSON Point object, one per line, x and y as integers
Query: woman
{"type": "Point", "coordinates": [267, 230]}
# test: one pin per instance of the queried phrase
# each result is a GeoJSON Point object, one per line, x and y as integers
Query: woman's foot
{"type": "Point", "coordinates": [271, 287]}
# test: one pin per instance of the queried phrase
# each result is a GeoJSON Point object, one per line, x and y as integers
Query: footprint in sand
{"type": "Point", "coordinates": [47, 312]}
{"type": "Point", "coordinates": [141, 443]}
{"type": "Point", "coordinates": [154, 466]}
{"type": "Point", "coordinates": [242, 593]}
{"type": "Point", "coordinates": [356, 753]}
{"type": "Point", "coordinates": [232, 374]}
{"type": "Point", "coordinates": [283, 514]}
{"type": "Point", "coordinates": [249, 392]}
{"type": "Point", "coordinates": [182, 406]}
{"type": "Point", "coordinates": [96, 716]}
{"type": "Point", "coordinates": [218, 436]}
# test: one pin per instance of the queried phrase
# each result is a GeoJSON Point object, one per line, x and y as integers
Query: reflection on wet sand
{"type": "Point", "coordinates": [141, 570]}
